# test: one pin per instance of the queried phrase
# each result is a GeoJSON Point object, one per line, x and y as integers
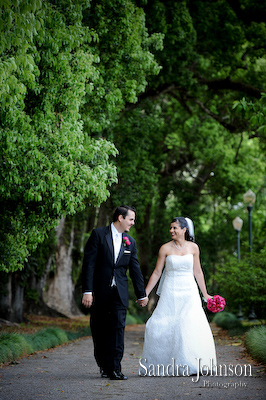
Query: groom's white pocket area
{"type": "Point", "coordinates": [127, 252]}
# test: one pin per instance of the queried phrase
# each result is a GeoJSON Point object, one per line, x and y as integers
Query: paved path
{"type": "Point", "coordinates": [70, 373]}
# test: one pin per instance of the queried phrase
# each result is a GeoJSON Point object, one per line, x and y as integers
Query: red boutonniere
{"type": "Point", "coordinates": [126, 241]}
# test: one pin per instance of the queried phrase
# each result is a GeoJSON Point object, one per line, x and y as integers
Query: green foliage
{"type": "Point", "coordinates": [13, 346]}
{"type": "Point", "coordinates": [193, 144]}
{"type": "Point", "coordinates": [46, 338]}
{"type": "Point", "coordinates": [203, 158]}
{"type": "Point", "coordinates": [32, 295]}
{"type": "Point", "coordinates": [82, 332]}
{"type": "Point", "coordinates": [137, 137]}
{"type": "Point", "coordinates": [255, 341]}
{"type": "Point", "coordinates": [173, 19]}
{"type": "Point", "coordinates": [125, 51]}
{"type": "Point", "coordinates": [243, 282]}
{"type": "Point", "coordinates": [66, 69]}
{"type": "Point", "coordinates": [226, 320]}
{"type": "Point", "coordinates": [130, 320]}
{"type": "Point", "coordinates": [203, 154]}
{"type": "Point", "coordinates": [255, 112]}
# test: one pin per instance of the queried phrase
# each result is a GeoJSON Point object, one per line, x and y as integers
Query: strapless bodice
{"type": "Point", "coordinates": [176, 265]}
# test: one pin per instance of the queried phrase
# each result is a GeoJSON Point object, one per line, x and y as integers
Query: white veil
{"type": "Point", "coordinates": [190, 227]}
{"type": "Point", "coordinates": [191, 233]}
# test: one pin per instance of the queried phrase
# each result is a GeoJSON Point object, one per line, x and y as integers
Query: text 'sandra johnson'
{"type": "Point", "coordinates": [204, 370]}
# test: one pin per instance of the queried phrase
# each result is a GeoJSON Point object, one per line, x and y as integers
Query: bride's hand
{"type": "Point", "coordinates": [143, 302]}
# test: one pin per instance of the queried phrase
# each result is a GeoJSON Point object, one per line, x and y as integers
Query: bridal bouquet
{"type": "Point", "coordinates": [216, 304]}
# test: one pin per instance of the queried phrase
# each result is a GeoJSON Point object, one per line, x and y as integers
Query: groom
{"type": "Point", "coordinates": [108, 254]}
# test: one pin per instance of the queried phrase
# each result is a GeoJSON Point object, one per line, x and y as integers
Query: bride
{"type": "Point", "coordinates": [178, 339]}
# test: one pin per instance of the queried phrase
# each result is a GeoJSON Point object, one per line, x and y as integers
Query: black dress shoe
{"type": "Point", "coordinates": [104, 374]}
{"type": "Point", "coordinates": [117, 376]}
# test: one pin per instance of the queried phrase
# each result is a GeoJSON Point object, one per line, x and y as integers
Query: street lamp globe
{"type": "Point", "coordinates": [237, 223]}
{"type": "Point", "coordinates": [249, 198]}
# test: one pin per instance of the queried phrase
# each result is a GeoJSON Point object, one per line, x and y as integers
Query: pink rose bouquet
{"type": "Point", "coordinates": [126, 241]}
{"type": "Point", "coordinates": [216, 304]}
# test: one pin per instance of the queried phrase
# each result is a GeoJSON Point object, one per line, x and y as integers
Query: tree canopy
{"type": "Point", "coordinates": [159, 104]}
{"type": "Point", "coordinates": [204, 114]}
{"type": "Point", "coordinates": [61, 83]}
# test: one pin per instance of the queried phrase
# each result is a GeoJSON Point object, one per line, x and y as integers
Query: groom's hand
{"type": "Point", "coordinates": [143, 302]}
{"type": "Point", "coordinates": [87, 300]}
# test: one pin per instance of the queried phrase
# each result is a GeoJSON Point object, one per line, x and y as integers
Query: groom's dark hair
{"type": "Point", "coordinates": [122, 210]}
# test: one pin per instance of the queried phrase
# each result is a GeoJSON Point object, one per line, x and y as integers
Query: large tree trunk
{"type": "Point", "coordinates": [105, 214]}
{"type": "Point", "coordinates": [59, 294]}
{"type": "Point", "coordinates": [5, 296]}
{"type": "Point", "coordinates": [11, 299]}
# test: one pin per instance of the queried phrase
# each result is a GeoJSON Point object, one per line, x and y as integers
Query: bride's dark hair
{"type": "Point", "coordinates": [182, 222]}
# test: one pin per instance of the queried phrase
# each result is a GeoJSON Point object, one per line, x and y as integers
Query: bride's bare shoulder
{"type": "Point", "coordinates": [167, 244]}
{"type": "Point", "coordinates": [194, 248]}
{"type": "Point", "coordinates": [166, 247]}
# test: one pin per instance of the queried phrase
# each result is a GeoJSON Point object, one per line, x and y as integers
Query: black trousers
{"type": "Point", "coordinates": [108, 328]}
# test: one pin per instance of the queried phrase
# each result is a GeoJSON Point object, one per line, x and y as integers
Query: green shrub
{"type": "Point", "coordinates": [59, 334]}
{"type": "Point", "coordinates": [130, 320]}
{"type": "Point", "coordinates": [47, 338]}
{"type": "Point", "coordinates": [226, 320]}
{"type": "Point", "coordinates": [255, 341]}
{"type": "Point", "coordinates": [5, 353]}
{"type": "Point", "coordinates": [13, 346]}
{"type": "Point", "coordinates": [86, 331]}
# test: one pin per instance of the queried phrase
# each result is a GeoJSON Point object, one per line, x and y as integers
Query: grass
{"type": "Point", "coordinates": [14, 346]}
{"type": "Point", "coordinates": [253, 337]}
{"type": "Point", "coordinates": [255, 342]}
{"type": "Point", "coordinates": [39, 333]}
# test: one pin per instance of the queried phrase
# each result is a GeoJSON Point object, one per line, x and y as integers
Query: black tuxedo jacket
{"type": "Point", "coordinates": [99, 267]}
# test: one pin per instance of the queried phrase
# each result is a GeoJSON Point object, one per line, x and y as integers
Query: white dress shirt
{"type": "Point", "coordinates": [117, 241]}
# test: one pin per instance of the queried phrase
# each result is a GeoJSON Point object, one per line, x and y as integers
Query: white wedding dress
{"type": "Point", "coordinates": [178, 334]}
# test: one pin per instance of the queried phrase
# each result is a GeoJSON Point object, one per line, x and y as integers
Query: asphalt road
{"type": "Point", "coordinates": [69, 372]}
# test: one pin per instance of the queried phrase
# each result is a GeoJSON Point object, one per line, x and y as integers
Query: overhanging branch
{"type": "Point", "coordinates": [228, 84]}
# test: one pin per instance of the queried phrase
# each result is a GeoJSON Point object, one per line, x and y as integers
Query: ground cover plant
{"type": "Point", "coordinates": [255, 341]}
{"type": "Point", "coordinates": [39, 333]}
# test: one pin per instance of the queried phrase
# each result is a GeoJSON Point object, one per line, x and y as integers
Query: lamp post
{"type": "Point", "coordinates": [249, 199]}
{"type": "Point", "coordinates": [237, 224]}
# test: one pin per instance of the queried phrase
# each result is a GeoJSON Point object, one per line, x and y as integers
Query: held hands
{"type": "Point", "coordinates": [87, 300]}
{"type": "Point", "coordinates": [143, 302]}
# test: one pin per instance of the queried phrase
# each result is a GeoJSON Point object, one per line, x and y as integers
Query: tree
{"type": "Point", "coordinates": [63, 81]}
{"type": "Point", "coordinates": [56, 80]}
{"type": "Point", "coordinates": [185, 145]}
{"type": "Point", "coordinates": [208, 153]}
{"type": "Point", "coordinates": [48, 165]}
